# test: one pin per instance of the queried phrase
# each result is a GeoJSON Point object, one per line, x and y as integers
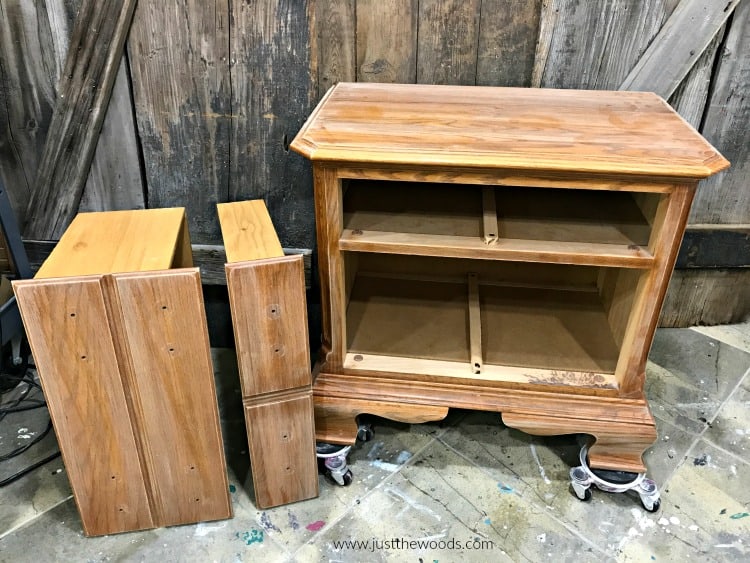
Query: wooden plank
{"type": "Point", "coordinates": [174, 395]}
{"type": "Point", "coordinates": [66, 322]}
{"type": "Point", "coordinates": [410, 125]}
{"type": "Point", "coordinates": [116, 241]}
{"type": "Point", "coordinates": [489, 215]}
{"type": "Point", "coordinates": [79, 114]}
{"type": "Point", "coordinates": [475, 324]}
{"type": "Point", "coordinates": [523, 250]}
{"type": "Point", "coordinates": [336, 23]}
{"type": "Point", "coordinates": [508, 32]}
{"type": "Point", "coordinates": [499, 375]}
{"type": "Point", "coordinates": [281, 436]}
{"type": "Point", "coordinates": [447, 41]}
{"type": "Point", "coordinates": [725, 198]}
{"type": "Point", "coordinates": [269, 316]}
{"type": "Point", "coordinates": [273, 90]}
{"type": "Point", "coordinates": [115, 180]}
{"type": "Point", "coordinates": [247, 231]}
{"type": "Point", "coordinates": [595, 45]}
{"type": "Point", "coordinates": [179, 62]}
{"type": "Point", "coordinates": [387, 40]}
{"type": "Point", "coordinates": [691, 96]}
{"type": "Point", "coordinates": [707, 297]}
{"type": "Point", "coordinates": [715, 246]}
{"type": "Point", "coordinates": [680, 42]}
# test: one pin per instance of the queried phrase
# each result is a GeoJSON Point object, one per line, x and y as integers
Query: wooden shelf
{"type": "Point", "coordinates": [532, 335]}
{"type": "Point", "coordinates": [564, 226]}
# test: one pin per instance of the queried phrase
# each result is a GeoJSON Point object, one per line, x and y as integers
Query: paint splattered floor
{"type": "Point", "coordinates": [467, 480]}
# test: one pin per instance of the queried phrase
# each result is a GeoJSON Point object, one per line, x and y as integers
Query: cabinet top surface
{"type": "Point", "coordinates": [247, 231]}
{"type": "Point", "coordinates": [532, 129]}
{"type": "Point", "coordinates": [110, 242]}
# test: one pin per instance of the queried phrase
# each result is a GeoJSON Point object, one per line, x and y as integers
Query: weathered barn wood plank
{"type": "Point", "coordinates": [387, 40]}
{"type": "Point", "coordinates": [179, 63]}
{"type": "Point", "coordinates": [508, 32]}
{"type": "Point", "coordinates": [715, 246]}
{"type": "Point", "coordinates": [34, 39]}
{"type": "Point", "coordinates": [272, 94]}
{"type": "Point", "coordinates": [680, 42]}
{"type": "Point", "coordinates": [86, 84]}
{"type": "Point", "coordinates": [725, 198]}
{"type": "Point", "coordinates": [691, 96]}
{"type": "Point", "coordinates": [335, 23]}
{"type": "Point", "coordinates": [707, 297]}
{"type": "Point", "coordinates": [594, 45]}
{"type": "Point", "coordinates": [447, 41]}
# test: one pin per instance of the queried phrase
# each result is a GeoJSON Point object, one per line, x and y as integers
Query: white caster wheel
{"type": "Point", "coordinates": [333, 458]}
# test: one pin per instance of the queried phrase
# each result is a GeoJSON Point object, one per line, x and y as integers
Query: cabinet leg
{"type": "Point", "coordinates": [617, 446]}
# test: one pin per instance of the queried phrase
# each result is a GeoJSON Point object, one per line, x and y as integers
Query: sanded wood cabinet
{"type": "Point", "coordinates": [269, 317]}
{"type": "Point", "coordinates": [501, 249]}
{"type": "Point", "coordinates": [117, 328]}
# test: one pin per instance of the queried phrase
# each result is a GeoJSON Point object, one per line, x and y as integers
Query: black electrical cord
{"type": "Point", "coordinates": [20, 404]}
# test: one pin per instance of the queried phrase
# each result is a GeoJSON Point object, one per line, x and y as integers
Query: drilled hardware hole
{"type": "Point", "coordinates": [83, 357]}
{"type": "Point", "coordinates": [72, 314]}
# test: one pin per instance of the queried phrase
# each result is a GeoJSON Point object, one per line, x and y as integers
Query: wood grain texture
{"type": "Point", "coordinates": [707, 297]}
{"type": "Point", "coordinates": [475, 324]}
{"type": "Point", "coordinates": [66, 322]}
{"type": "Point", "coordinates": [337, 47]}
{"type": "Point", "coordinates": [596, 44]}
{"type": "Point", "coordinates": [179, 62]}
{"type": "Point", "coordinates": [725, 198]}
{"type": "Point", "coordinates": [85, 87]}
{"type": "Point", "coordinates": [267, 112]}
{"type": "Point", "coordinates": [281, 436]}
{"type": "Point", "coordinates": [116, 241]}
{"type": "Point", "coordinates": [506, 128]}
{"type": "Point", "coordinates": [447, 41]}
{"type": "Point", "coordinates": [269, 316]}
{"type": "Point", "coordinates": [247, 231]}
{"type": "Point", "coordinates": [508, 32]}
{"type": "Point", "coordinates": [34, 39]}
{"type": "Point", "coordinates": [387, 40]}
{"type": "Point", "coordinates": [680, 42]}
{"type": "Point", "coordinates": [174, 395]}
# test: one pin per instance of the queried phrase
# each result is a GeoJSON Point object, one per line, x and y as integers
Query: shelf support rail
{"type": "Point", "coordinates": [489, 215]}
{"type": "Point", "coordinates": [475, 324]}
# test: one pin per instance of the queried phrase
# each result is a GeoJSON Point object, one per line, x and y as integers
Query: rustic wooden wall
{"type": "Point", "coordinates": [209, 94]}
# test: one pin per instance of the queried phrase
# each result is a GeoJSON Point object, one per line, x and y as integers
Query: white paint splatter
{"type": "Point", "coordinates": [23, 430]}
{"type": "Point", "coordinates": [203, 529]}
{"type": "Point", "coordinates": [733, 469]}
{"type": "Point", "coordinates": [24, 436]}
{"type": "Point", "coordinates": [674, 520]}
{"type": "Point", "coordinates": [384, 465]}
{"type": "Point", "coordinates": [430, 538]}
{"type": "Point", "coordinates": [410, 502]}
{"type": "Point", "coordinates": [541, 538]}
{"type": "Point", "coordinates": [539, 463]}
{"type": "Point", "coordinates": [693, 528]}
{"type": "Point", "coordinates": [643, 521]}
{"type": "Point", "coordinates": [403, 457]}
{"type": "Point", "coordinates": [663, 521]}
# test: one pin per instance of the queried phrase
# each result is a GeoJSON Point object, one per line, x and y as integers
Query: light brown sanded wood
{"type": "Point", "coordinates": [475, 324]}
{"type": "Point", "coordinates": [562, 131]}
{"type": "Point", "coordinates": [66, 322]}
{"type": "Point", "coordinates": [282, 448]}
{"type": "Point", "coordinates": [269, 316]}
{"type": "Point", "coordinates": [247, 231]}
{"type": "Point", "coordinates": [174, 394]}
{"type": "Point", "coordinates": [116, 241]}
{"type": "Point", "coordinates": [489, 215]}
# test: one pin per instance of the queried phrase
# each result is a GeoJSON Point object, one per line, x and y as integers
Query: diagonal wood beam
{"type": "Point", "coordinates": [94, 55]}
{"type": "Point", "coordinates": [678, 45]}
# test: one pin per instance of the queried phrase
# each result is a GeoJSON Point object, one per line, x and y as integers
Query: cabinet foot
{"type": "Point", "coordinates": [583, 477]}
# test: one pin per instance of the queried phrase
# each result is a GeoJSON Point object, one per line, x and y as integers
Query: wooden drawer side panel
{"type": "Point", "coordinates": [267, 298]}
{"type": "Point", "coordinates": [281, 437]}
{"type": "Point", "coordinates": [66, 322]}
{"type": "Point", "coordinates": [174, 396]}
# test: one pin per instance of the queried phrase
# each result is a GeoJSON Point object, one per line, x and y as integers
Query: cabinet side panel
{"type": "Point", "coordinates": [66, 323]}
{"type": "Point", "coordinates": [165, 328]}
{"type": "Point", "coordinates": [281, 436]}
{"type": "Point", "coordinates": [269, 316]}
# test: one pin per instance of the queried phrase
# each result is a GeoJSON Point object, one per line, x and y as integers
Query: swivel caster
{"type": "Point", "coordinates": [582, 477]}
{"type": "Point", "coordinates": [333, 459]}
{"type": "Point", "coordinates": [365, 432]}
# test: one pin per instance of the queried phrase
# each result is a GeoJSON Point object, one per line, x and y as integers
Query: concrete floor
{"type": "Point", "coordinates": [467, 479]}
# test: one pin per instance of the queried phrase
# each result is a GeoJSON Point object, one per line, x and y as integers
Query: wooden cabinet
{"type": "Point", "coordinates": [269, 316]}
{"type": "Point", "coordinates": [499, 249]}
{"type": "Point", "coordinates": [117, 327]}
